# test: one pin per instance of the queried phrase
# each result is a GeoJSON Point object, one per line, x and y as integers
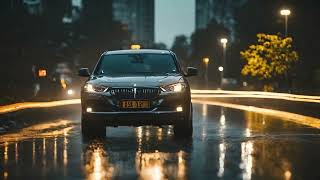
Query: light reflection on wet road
{"type": "Point", "coordinates": [227, 144]}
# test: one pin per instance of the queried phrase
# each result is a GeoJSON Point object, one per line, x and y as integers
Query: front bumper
{"type": "Point", "coordinates": [135, 118]}
{"type": "Point", "coordinates": [104, 102]}
{"type": "Point", "coordinates": [106, 110]}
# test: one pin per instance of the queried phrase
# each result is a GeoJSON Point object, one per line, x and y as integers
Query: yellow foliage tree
{"type": "Point", "coordinates": [271, 57]}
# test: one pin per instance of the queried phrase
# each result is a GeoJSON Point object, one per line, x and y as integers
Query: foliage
{"type": "Point", "coordinates": [273, 56]}
{"type": "Point", "coordinates": [181, 47]}
{"type": "Point", "coordinates": [159, 46]}
{"type": "Point", "coordinates": [205, 43]}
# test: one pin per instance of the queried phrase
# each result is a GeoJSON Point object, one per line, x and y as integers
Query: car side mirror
{"type": "Point", "coordinates": [191, 71]}
{"type": "Point", "coordinates": [84, 72]}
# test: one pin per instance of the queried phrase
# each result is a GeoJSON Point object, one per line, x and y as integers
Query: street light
{"type": "Point", "coordinates": [206, 63]}
{"type": "Point", "coordinates": [224, 42]}
{"type": "Point", "coordinates": [220, 68]}
{"type": "Point", "coordinates": [206, 60]}
{"type": "Point", "coordinates": [285, 13]}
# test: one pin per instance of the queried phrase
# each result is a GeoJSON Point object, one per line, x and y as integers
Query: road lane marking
{"type": "Point", "coordinates": [292, 117]}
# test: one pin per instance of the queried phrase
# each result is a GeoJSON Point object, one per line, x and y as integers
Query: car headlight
{"type": "Point", "coordinates": [95, 88]}
{"type": "Point", "coordinates": [178, 87]}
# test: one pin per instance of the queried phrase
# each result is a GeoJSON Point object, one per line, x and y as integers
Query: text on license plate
{"type": "Point", "coordinates": [135, 104]}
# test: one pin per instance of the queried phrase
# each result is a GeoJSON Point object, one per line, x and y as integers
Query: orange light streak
{"type": "Point", "coordinates": [292, 117]}
{"type": "Point", "coordinates": [195, 91]}
{"type": "Point", "coordinates": [254, 96]}
{"type": "Point", "coordinates": [27, 105]}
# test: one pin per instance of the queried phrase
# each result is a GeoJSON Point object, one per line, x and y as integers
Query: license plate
{"type": "Point", "coordinates": [135, 104]}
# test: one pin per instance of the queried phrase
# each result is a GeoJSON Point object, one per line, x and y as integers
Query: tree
{"type": "Point", "coordinates": [268, 20]}
{"type": "Point", "coordinates": [206, 43]}
{"type": "Point", "coordinates": [159, 45]}
{"type": "Point", "coordinates": [272, 57]}
{"type": "Point", "coordinates": [182, 48]}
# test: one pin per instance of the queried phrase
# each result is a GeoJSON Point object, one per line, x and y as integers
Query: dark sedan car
{"type": "Point", "coordinates": [136, 88]}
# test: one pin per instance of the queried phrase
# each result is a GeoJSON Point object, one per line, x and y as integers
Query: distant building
{"type": "Point", "coordinates": [138, 16]}
{"type": "Point", "coordinates": [222, 12]}
{"type": "Point", "coordinates": [33, 7]}
{"type": "Point", "coordinates": [73, 13]}
{"type": "Point", "coordinates": [70, 8]}
{"type": "Point", "coordinates": [204, 13]}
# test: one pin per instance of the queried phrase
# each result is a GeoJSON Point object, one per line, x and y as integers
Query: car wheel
{"type": "Point", "coordinates": [92, 128]}
{"type": "Point", "coordinates": [184, 128]}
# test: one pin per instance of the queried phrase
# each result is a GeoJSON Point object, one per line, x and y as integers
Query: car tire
{"type": "Point", "coordinates": [184, 127]}
{"type": "Point", "coordinates": [92, 128]}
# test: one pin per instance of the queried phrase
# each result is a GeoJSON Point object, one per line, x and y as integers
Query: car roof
{"type": "Point", "coordinates": [138, 51]}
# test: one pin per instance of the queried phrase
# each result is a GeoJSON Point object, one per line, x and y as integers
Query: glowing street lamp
{"type": "Point", "coordinates": [224, 42]}
{"type": "Point", "coordinates": [206, 61]}
{"type": "Point", "coordinates": [286, 13]}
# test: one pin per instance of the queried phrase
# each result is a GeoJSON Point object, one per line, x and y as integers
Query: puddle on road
{"type": "Point", "coordinates": [144, 153]}
{"type": "Point", "coordinates": [227, 144]}
{"type": "Point", "coordinates": [44, 130]}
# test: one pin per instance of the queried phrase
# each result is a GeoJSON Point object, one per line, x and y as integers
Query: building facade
{"type": "Point", "coordinates": [204, 13]}
{"type": "Point", "coordinates": [220, 12]}
{"type": "Point", "coordinates": [138, 16]}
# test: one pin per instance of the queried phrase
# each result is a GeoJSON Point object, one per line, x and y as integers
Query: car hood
{"type": "Point", "coordinates": [139, 81]}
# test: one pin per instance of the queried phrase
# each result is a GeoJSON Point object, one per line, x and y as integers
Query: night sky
{"type": "Point", "coordinates": [172, 18]}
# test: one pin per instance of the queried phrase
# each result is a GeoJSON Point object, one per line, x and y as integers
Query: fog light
{"type": "Point", "coordinates": [179, 109]}
{"type": "Point", "coordinates": [89, 109]}
{"type": "Point", "coordinates": [70, 92]}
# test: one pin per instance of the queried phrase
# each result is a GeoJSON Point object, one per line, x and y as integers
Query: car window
{"type": "Point", "coordinates": [136, 64]}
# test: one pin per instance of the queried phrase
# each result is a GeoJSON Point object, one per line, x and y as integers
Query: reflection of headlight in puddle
{"type": "Point", "coordinates": [97, 165]}
{"type": "Point", "coordinates": [155, 165]}
{"type": "Point", "coordinates": [150, 165]}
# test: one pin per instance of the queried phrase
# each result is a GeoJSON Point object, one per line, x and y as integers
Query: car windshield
{"type": "Point", "coordinates": [136, 64]}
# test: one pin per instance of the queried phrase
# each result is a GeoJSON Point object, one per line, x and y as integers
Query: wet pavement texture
{"type": "Point", "coordinates": [227, 144]}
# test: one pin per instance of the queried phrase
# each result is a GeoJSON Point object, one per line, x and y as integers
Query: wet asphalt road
{"type": "Point", "coordinates": [227, 144]}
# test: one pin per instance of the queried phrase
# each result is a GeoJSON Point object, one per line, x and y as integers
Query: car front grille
{"type": "Point", "coordinates": [135, 93]}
